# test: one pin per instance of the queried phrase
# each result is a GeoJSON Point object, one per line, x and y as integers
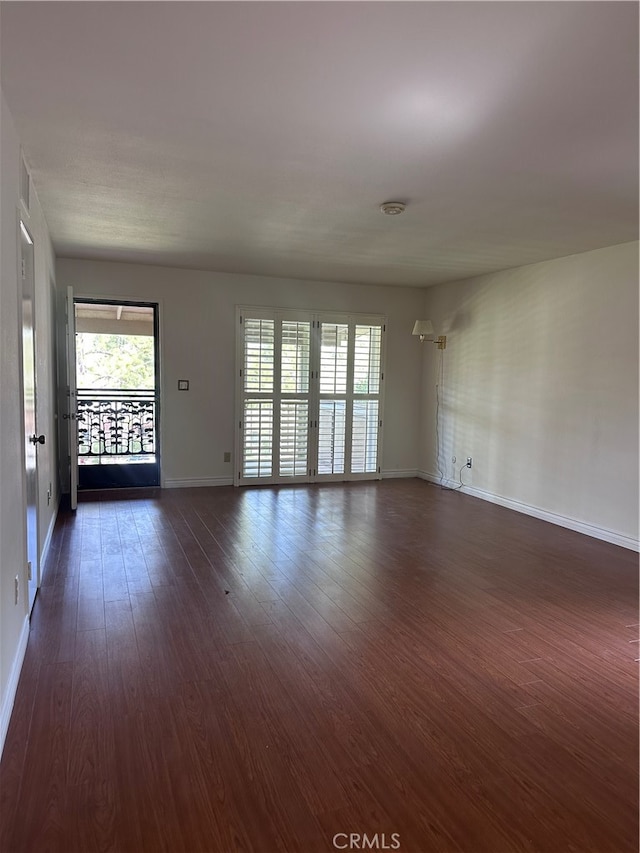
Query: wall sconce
{"type": "Point", "coordinates": [424, 328]}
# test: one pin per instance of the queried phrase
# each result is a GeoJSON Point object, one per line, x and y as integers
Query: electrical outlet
{"type": "Point", "coordinates": [453, 459]}
{"type": "Point", "coordinates": [469, 461]}
{"type": "Point", "coordinates": [227, 456]}
{"type": "Point", "coordinates": [16, 588]}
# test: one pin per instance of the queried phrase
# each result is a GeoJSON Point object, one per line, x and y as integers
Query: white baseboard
{"type": "Point", "coordinates": [12, 685]}
{"type": "Point", "coordinates": [47, 541]}
{"type": "Point", "coordinates": [401, 472]}
{"type": "Point", "coordinates": [543, 514]}
{"type": "Point", "coordinates": [198, 482]}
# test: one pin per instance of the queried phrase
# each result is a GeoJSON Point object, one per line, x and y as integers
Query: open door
{"type": "Point", "coordinates": [72, 392]}
{"type": "Point", "coordinates": [32, 439]}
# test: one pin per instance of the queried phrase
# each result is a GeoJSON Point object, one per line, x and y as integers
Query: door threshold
{"type": "Point", "coordinates": [118, 494]}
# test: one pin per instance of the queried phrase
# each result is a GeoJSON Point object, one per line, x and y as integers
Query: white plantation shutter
{"type": "Point", "coordinates": [258, 355]}
{"type": "Point", "coordinates": [257, 414]}
{"type": "Point", "coordinates": [331, 436]}
{"type": "Point", "coordinates": [364, 442]}
{"type": "Point", "coordinates": [366, 366]}
{"type": "Point", "coordinates": [296, 341]}
{"type": "Point", "coordinates": [332, 419]}
{"type": "Point", "coordinates": [258, 442]}
{"type": "Point", "coordinates": [334, 341]}
{"type": "Point", "coordinates": [295, 337]}
{"type": "Point", "coordinates": [309, 396]}
{"type": "Point", "coordinates": [294, 437]}
{"type": "Point", "coordinates": [366, 392]}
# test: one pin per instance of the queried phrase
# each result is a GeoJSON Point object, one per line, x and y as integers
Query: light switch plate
{"type": "Point", "coordinates": [183, 384]}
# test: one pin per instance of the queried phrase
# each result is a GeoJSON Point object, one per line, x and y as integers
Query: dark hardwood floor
{"type": "Point", "coordinates": [262, 669]}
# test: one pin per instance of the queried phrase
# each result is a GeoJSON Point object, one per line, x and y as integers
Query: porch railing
{"type": "Point", "coordinates": [116, 423]}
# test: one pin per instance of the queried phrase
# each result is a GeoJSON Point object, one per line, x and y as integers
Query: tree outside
{"type": "Point", "coordinates": [115, 361]}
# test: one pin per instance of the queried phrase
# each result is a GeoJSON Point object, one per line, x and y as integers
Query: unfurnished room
{"type": "Point", "coordinates": [319, 427]}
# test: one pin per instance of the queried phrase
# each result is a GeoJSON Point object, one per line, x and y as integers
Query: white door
{"type": "Point", "coordinates": [72, 403]}
{"type": "Point", "coordinates": [32, 439]}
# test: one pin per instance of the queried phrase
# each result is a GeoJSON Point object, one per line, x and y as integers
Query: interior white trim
{"type": "Point", "coordinates": [12, 685]}
{"type": "Point", "coordinates": [543, 514]}
{"type": "Point", "coordinates": [195, 482]}
{"type": "Point", "coordinates": [47, 541]}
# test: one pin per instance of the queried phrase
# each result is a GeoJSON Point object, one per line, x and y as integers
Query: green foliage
{"type": "Point", "coordinates": [115, 361]}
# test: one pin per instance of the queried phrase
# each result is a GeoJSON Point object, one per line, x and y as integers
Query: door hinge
{"type": "Point", "coordinates": [384, 328]}
{"type": "Point", "coordinates": [240, 424]}
{"type": "Point", "coordinates": [241, 319]}
{"type": "Point", "coordinates": [23, 268]}
{"type": "Point", "coordinates": [240, 371]}
{"type": "Point", "coordinates": [29, 570]}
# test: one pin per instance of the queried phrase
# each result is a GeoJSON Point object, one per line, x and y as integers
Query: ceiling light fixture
{"type": "Point", "coordinates": [393, 208]}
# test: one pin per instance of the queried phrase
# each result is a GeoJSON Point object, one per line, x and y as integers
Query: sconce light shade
{"type": "Point", "coordinates": [424, 328]}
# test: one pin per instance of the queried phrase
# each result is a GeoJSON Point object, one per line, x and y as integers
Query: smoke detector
{"type": "Point", "coordinates": [392, 208]}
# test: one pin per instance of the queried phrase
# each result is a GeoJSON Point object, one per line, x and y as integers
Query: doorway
{"type": "Point", "coordinates": [117, 402]}
{"type": "Point", "coordinates": [309, 395]}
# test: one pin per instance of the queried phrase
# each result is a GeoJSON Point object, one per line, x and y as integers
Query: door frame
{"type": "Point", "coordinates": [71, 396]}
{"type": "Point", "coordinates": [157, 332]}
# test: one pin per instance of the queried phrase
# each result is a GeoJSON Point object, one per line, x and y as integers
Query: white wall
{"type": "Point", "coordinates": [541, 388]}
{"type": "Point", "coordinates": [197, 340]}
{"type": "Point", "coordinates": [13, 617]}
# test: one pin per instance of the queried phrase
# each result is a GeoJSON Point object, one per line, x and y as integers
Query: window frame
{"type": "Point", "coordinates": [314, 396]}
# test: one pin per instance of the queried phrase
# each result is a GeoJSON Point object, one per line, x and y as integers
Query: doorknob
{"type": "Point", "coordinates": [37, 439]}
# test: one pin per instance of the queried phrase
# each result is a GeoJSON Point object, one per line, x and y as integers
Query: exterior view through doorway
{"type": "Point", "coordinates": [116, 359]}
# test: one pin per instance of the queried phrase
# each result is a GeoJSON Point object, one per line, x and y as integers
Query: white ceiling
{"type": "Point", "coordinates": [262, 137]}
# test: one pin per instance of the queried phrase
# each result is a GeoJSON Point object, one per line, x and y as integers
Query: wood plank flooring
{"type": "Point", "coordinates": [263, 669]}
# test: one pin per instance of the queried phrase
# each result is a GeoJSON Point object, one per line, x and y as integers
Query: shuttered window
{"type": "Point", "coordinates": [294, 438]}
{"type": "Point", "coordinates": [258, 355]}
{"type": "Point", "coordinates": [364, 451]}
{"type": "Point", "coordinates": [309, 396]}
{"type": "Point", "coordinates": [366, 390]}
{"type": "Point", "coordinates": [258, 411]}
{"type": "Point", "coordinates": [258, 438]}
{"type": "Point", "coordinates": [334, 340]}
{"type": "Point", "coordinates": [331, 436]}
{"type": "Point", "coordinates": [366, 365]}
